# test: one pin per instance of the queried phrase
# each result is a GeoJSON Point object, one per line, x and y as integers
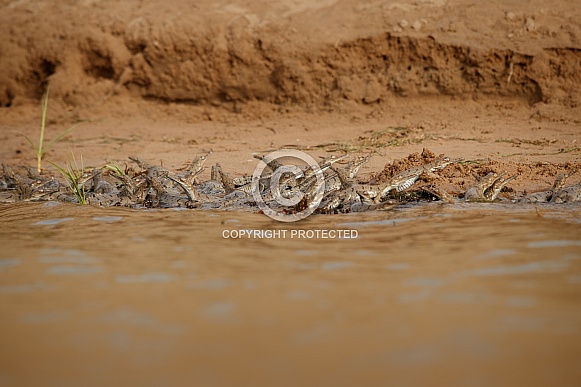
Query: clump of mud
{"type": "Point", "coordinates": [459, 176]}
{"type": "Point", "coordinates": [399, 165]}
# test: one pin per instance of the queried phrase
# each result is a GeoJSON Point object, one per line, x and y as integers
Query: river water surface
{"type": "Point", "coordinates": [470, 294]}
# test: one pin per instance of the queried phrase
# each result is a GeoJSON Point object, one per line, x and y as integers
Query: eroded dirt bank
{"type": "Point", "coordinates": [288, 51]}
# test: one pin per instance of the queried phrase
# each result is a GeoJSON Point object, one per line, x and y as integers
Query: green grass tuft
{"type": "Point", "coordinates": [74, 177]}
{"type": "Point", "coordinates": [41, 149]}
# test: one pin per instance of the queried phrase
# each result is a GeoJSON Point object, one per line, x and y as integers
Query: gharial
{"type": "Point", "coordinates": [155, 186]}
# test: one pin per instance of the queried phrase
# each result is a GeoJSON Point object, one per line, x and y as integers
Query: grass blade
{"type": "Point", "coordinates": [64, 133]}
{"type": "Point", "coordinates": [27, 139]}
{"type": "Point", "coordinates": [115, 168]}
{"type": "Point", "coordinates": [40, 151]}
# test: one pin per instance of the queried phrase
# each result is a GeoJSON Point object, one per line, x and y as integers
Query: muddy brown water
{"type": "Point", "coordinates": [469, 294]}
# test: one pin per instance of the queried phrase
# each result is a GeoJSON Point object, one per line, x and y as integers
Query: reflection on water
{"type": "Point", "coordinates": [9, 262]}
{"type": "Point", "coordinates": [50, 222]}
{"type": "Point", "coordinates": [473, 294]}
{"type": "Point", "coordinates": [108, 218]}
{"type": "Point", "coordinates": [554, 243]}
{"type": "Point", "coordinates": [145, 277]}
